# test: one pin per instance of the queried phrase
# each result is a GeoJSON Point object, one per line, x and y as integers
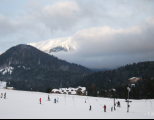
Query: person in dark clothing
{"type": "Point", "coordinates": [111, 109]}
{"type": "Point", "coordinates": [90, 107]}
{"type": "Point", "coordinates": [104, 108]}
{"type": "Point", "coordinates": [55, 100]}
{"type": "Point", "coordinates": [48, 98]}
{"type": "Point", "coordinates": [4, 95]}
{"type": "Point", "coordinates": [118, 104]}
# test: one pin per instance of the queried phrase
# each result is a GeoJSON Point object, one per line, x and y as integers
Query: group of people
{"type": "Point", "coordinates": [103, 107]}
{"type": "Point", "coordinates": [55, 100]}
{"type": "Point", "coordinates": [118, 105]}
{"type": "Point", "coordinates": [4, 95]}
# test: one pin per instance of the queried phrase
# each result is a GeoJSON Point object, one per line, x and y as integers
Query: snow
{"type": "Point", "coordinates": [2, 84]}
{"type": "Point", "coordinates": [134, 79]}
{"type": "Point", "coordinates": [25, 105]}
{"type": "Point", "coordinates": [10, 88]}
{"type": "Point", "coordinates": [45, 46]}
{"type": "Point", "coordinates": [69, 90]}
{"type": "Point", "coordinates": [7, 70]}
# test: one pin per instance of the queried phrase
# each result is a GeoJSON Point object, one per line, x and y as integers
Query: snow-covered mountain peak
{"type": "Point", "coordinates": [55, 45]}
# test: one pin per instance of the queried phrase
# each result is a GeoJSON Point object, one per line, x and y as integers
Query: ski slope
{"type": "Point", "coordinates": [25, 105]}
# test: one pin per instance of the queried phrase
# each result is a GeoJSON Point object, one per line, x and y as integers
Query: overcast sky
{"type": "Point", "coordinates": [109, 33]}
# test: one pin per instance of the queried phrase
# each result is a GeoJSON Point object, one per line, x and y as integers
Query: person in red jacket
{"type": "Point", "coordinates": [104, 108]}
{"type": "Point", "coordinates": [40, 100]}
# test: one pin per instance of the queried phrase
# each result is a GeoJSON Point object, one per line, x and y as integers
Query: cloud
{"type": "Point", "coordinates": [105, 31]}
{"type": "Point", "coordinates": [66, 9]}
{"type": "Point", "coordinates": [60, 16]}
{"type": "Point", "coordinates": [6, 26]}
{"type": "Point", "coordinates": [64, 18]}
{"type": "Point", "coordinates": [105, 47]}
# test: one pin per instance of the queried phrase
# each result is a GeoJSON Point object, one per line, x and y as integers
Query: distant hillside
{"type": "Point", "coordinates": [25, 67]}
{"type": "Point", "coordinates": [118, 79]}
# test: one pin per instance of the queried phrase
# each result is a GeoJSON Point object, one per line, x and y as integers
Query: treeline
{"type": "Point", "coordinates": [40, 79]}
{"type": "Point", "coordinates": [103, 83]}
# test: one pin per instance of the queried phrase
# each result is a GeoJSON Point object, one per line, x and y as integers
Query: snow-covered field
{"type": "Point", "coordinates": [25, 105]}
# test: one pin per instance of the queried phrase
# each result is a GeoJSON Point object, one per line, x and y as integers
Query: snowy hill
{"type": "Point", "coordinates": [55, 45]}
{"type": "Point", "coordinates": [25, 105]}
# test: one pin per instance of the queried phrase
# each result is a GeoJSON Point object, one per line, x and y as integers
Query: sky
{"type": "Point", "coordinates": [109, 33]}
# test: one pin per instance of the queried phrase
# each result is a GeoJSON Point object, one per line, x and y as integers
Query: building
{"type": "Point", "coordinates": [2, 84]}
{"type": "Point", "coordinates": [134, 80]}
{"type": "Point", "coordinates": [10, 88]}
{"type": "Point", "coordinates": [70, 90]}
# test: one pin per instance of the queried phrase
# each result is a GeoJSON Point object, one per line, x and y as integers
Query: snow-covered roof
{"type": "Point", "coordinates": [55, 90]}
{"type": "Point", "coordinates": [134, 79]}
{"type": "Point", "coordinates": [10, 88]}
{"type": "Point", "coordinates": [83, 88]}
{"type": "Point", "coordinates": [68, 90]}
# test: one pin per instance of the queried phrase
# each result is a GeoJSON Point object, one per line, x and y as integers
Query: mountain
{"type": "Point", "coordinates": [25, 66]}
{"type": "Point", "coordinates": [98, 70]}
{"type": "Point", "coordinates": [119, 79]}
{"type": "Point", "coordinates": [55, 45]}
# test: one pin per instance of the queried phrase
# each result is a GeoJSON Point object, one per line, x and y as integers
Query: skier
{"type": "Point", "coordinates": [111, 109]}
{"type": "Point", "coordinates": [90, 107]}
{"type": "Point", "coordinates": [48, 98]}
{"type": "Point", "coordinates": [57, 99]}
{"type": "Point", "coordinates": [118, 105]}
{"type": "Point", "coordinates": [40, 100]}
{"type": "Point", "coordinates": [1, 95]}
{"type": "Point", "coordinates": [104, 108]}
{"type": "Point", "coordinates": [85, 100]}
{"type": "Point", "coordinates": [4, 95]}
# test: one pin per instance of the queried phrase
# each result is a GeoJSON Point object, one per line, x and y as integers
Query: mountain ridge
{"type": "Point", "coordinates": [38, 69]}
